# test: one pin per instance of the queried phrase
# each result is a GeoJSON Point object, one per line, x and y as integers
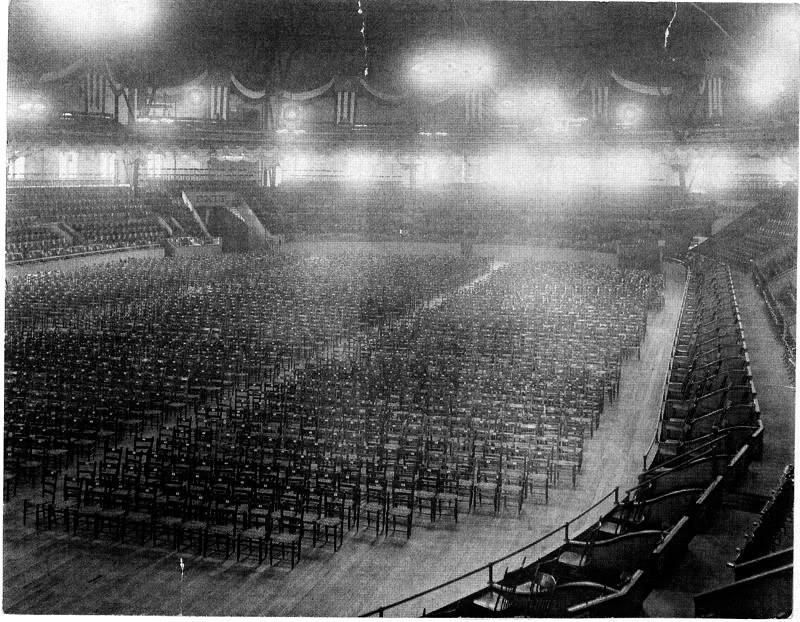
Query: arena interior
{"type": "Point", "coordinates": [411, 308]}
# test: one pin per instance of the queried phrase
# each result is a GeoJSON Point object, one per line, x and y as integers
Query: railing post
{"type": "Point", "coordinates": [566, 531]}
{"type": "Point", "coordinates": [616, 495]}
{"type": "Point", "coordinates": [380, 612]}
{"type": "Point", "coordinates": [491, 579]}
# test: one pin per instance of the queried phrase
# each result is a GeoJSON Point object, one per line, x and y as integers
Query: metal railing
{"type": "Point", "coordinates": [549, 541]}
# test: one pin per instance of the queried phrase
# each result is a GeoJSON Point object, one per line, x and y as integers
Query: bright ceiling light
{"type": "Point", "coordinates": [768, 81]}
{"type": "Point", "coordinates": [450, 68]}
{"type": "Point", "coordinates": [129, 14]}
{"type": "Point", "coordinates": [93, 17]}
{"type": "Point", "coordinates": [628, 114]}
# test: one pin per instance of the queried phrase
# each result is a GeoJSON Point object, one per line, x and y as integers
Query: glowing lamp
{"type": "Point", "coordinates": [628, 114]}
{"type": "Point", "coordinates": [291, 113]}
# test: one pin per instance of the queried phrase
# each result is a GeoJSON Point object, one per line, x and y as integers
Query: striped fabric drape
{"type": "Point", "coordinates": [345, 107]}
{"type": "Point", "coordinates": [94, 88]}
{"type": "Point", "coordinates": [218, 102]}
{"type": "Point", "coordinates": [599, 95]}
{"type": "Point", "coordinates": [473, 106]}
{"type": "Point", "coordinates": [714, 88]}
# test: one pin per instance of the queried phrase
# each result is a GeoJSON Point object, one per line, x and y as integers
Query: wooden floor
{"type": "Point", "coordinates": [56, 573]}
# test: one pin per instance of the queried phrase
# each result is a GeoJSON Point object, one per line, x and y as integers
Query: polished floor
{"type": "Point", "coordinates": [56, 573]}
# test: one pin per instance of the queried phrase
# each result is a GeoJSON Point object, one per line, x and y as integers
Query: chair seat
{"type": "Point", "coordinates": [253, 533]}
{"type": "Point", "coordinates": [511, 488]}
{"type": "Point", "coordinates": [138, 517]}
{"type": "Point", "coordinates": [573, 558]}
{"type": "Point", "coordinates": [373, 507]}
{"type": "Point", "coordinates": [285, 538]}
{"type": "Point", "coordinates": [112, 513]}
{"type": "Point", "coordinates": [89, 509]}
{"type": "Point", "coordinates": [611, 527]}
{"type": "Point", "coordinates": [447, 496]}
{"type": "Point", "coordinates": [424, 495]}
{"type": "Point", "coordinates": [399, 511]}
{"type": "Point", "coordinates": [194, 525]}
{"type": "Point", "coordinates": [220, 530]}
{"type": "Point", "coordinates": [486, 486]}
{"type": "Point", "coordinates": [491, 601]}
{"type": "Point", "coordinates": [169, 521]}
{"type": "Point", "coordinates": [329, 521]}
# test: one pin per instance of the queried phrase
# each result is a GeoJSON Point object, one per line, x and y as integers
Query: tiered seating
{"type": "Point", "coordinates": [32, 241]}
{"type": "Point", "coordinates": [763, 229]}
{"type": "Point", "coordinates": [782, 310]}
{"type": "Point", "coordinates": [90, 220]}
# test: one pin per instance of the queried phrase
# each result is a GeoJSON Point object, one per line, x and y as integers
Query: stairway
{"type": "Point", "coordinates": [67, 233]}
{"type": "Point", "coordinates": [258, 238]}
{"type": "Point", "coordinates": [195, 215]}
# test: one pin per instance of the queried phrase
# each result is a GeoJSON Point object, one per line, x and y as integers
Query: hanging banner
{"type": "Point", "coordinates": [52, 76]}
{"type": "Point", "coordinates": [644, 89]}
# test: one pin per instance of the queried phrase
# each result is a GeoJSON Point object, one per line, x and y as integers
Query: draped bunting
{"type": "Point", "coordinates": [644, 89]}
{"type": "Point", "coordinates": [52, 76]}
{"type": "Point", "coordinates": [248, 93]}
{"type": "Point", "coordinates": [305, 95]}
{"type": "Point", "coordinates": [379, 94]}
{"type": "Point", "coordinates": [433, 100]}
